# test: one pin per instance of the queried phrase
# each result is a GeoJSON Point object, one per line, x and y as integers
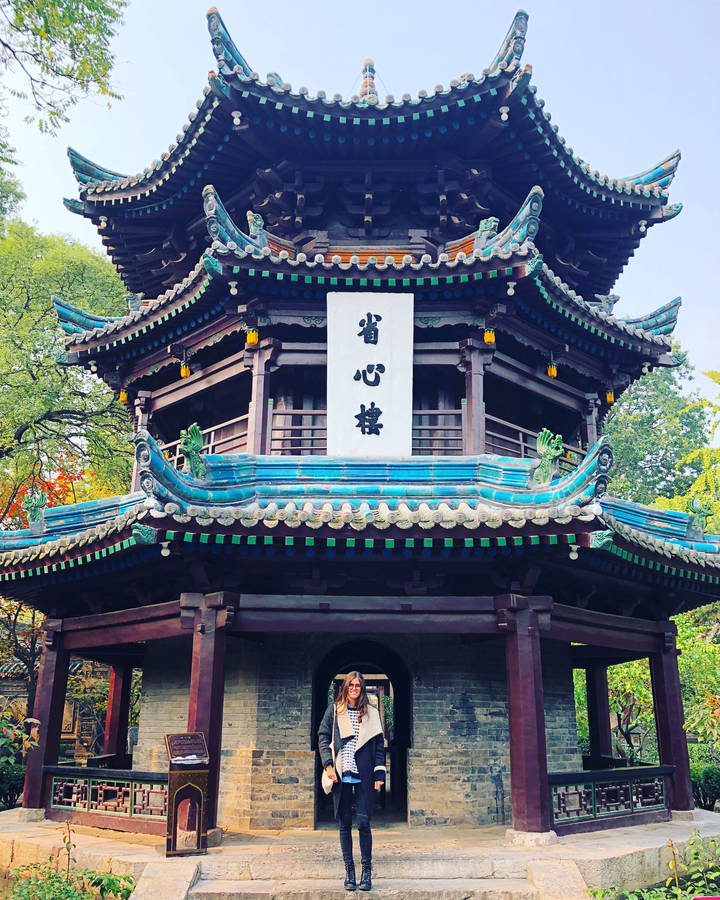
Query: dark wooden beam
{"type": "Point", "coordinates": [395, 623]}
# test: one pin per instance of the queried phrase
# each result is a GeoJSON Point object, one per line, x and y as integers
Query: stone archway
{"type": "Point", "coordinates": [370, 657]}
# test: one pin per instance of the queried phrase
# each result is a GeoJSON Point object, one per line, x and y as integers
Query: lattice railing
{"type": "Point", "coordinates": [114, 792]}
{"type": "Point", "coordinates": [582, 798]}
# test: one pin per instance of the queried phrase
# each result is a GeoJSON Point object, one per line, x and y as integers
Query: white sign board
{"type": "Point", "coordinates": [369, 374]}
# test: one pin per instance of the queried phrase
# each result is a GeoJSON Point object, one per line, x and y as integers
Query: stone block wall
{"type": "Point", "coordinates": [458, 761]}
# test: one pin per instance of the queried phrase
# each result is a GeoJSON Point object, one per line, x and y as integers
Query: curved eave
{"type": "Point", "coordinates": [660, 321]}
{"type": "Point", "coordinates": [469, 491]}
{"type": "Point", "coordinates": [86, 171]}
{"type": "Point", "coordinates": [74, 320]}
{"type": "Point", "coordinates": [592, 317]}
{"type": "Point", "coordinates": [527, 112]}
{"type": "Point", "coordinates": [153, 312]}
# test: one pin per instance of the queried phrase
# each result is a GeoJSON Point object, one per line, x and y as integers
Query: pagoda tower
{"type": "Point", "coordinates": [368, 351]}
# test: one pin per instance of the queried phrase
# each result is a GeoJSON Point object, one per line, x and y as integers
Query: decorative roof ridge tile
{"type": "Point", "coordinates": [595, 311]}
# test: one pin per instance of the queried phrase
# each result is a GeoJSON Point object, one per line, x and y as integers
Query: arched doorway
{"type": "Point", "coordinates": [388, 676]}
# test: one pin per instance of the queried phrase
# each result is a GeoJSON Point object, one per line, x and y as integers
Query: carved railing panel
{"type": "Point", "coordinates": [585, 797]}
{"type": "Point", "coordinates": [108, 792]}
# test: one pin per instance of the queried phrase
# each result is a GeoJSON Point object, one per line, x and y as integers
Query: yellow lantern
{"type": "Point", "coordinates": [489, 336]}
{"type": "Point", "coordinates": [610, 396]}
{"type": "Point", "coordinates": [184, 370]}
{"type": "Point", "coordinates": [123, 397]}
{"type": "Point", "coordinates": [252, 337]}
{"type": "Point", "coordinates": [552, 370]}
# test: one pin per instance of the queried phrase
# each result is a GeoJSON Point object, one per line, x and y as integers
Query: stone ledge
{"type": "Point", "coordinates": [530, 838]}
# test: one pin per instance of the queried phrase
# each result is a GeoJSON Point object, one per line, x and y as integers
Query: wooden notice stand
{"type": "Point", "coordinates": [188, 773]}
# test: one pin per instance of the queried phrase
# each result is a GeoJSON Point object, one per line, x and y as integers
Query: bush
{"type": "Point", "coordinates": [12, 778]}
{"type": "Point", "coordinates": [706, 785]}
{"type": "Point", "coordinates": [693, 872]}
{"type": "Point", "coordinates": [43, 881]}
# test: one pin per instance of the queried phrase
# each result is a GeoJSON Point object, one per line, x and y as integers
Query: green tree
{"type": "Point", "coordinates": [54, 52]}
{"type": "Point", "coordinates": [655, 427]}
{"type": "Point", "coordinates": [55, 418]}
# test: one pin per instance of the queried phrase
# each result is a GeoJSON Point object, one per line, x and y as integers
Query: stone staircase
{"type": "Point", "coordinates": [402, 870]}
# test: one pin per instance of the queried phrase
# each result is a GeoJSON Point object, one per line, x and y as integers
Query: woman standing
{"type": "Point", "coordinates": [352, 750]}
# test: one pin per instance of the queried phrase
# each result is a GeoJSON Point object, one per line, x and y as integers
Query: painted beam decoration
{"type": "Point", "coordinates": [369, 374]}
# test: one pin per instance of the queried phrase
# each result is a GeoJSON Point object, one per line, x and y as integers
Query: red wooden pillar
{"type": "Point", "coordinates": [529, 788]}
{"type": "Point", "coordinates": [669, 720]}
{"type": "Point", "coordinates": [48, 709]}
{"type": "Point", "coordinates": [207, 682]}
{"type": "Point", "coordinates": [474, 357]}
{"type": "Point", "coordinates": [598, 706]}
{"type": "Point", "coordinates": [258, 419]}
{"type": "Point", "coordinates": [118, 710]}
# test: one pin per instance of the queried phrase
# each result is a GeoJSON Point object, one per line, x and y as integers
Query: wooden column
{"type": "Point", "coordinates": [598, 706]}
{"type": "Point", "coordinates": [669, 719]}
{"type": "Point", "coordinates": [474, 358]}
{"type": "Point", "coordinates": [522, 618]}
{"type": "Point", "coordinates": [259, 359]}
{"type": "Point", "coordinates": [48, 709]}
{"type": "Point", "coordinates": [589, 423]}
{"type": "Point", "coordinates": [118, 710]}
{"type": "Point", "coordinates": [212, 613]}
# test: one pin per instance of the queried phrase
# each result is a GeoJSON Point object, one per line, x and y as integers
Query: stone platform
{"type": "Point", "coordinates": [431, 863]}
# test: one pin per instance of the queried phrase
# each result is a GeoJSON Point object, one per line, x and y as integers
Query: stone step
{"type": "Point", "coordinates": [395, 888]}
{"type": "Point", "coordinates": [390, 863]}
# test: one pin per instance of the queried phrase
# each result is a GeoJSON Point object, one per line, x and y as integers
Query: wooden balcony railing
{"type": "Point", "coordinates": [435, 432]}
{"type": "Point", "coordinates": [227, 437]}
{"type": "Point", "coordinates": [608, 798]}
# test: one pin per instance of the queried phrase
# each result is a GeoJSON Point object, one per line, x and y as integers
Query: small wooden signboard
{"type": "Point", "coordinates": [188, 771]}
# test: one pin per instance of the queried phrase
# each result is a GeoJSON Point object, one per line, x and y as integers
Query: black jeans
{"type": "Point", "coordinates": [345, 822]}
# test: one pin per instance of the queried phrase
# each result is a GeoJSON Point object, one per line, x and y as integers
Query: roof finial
{"type": "Point", "coordinates": [368, 94]}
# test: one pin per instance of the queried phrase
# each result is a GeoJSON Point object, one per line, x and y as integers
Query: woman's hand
{"type": "Point", "coordinates": [331, 774]}
{"type": "Point", "coordinates": [378, 785]}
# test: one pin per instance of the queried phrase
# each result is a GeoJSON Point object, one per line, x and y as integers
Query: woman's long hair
{"type": "Point", "coordinates": [342, 697]}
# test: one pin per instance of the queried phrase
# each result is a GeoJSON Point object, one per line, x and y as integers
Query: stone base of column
{"type": "Point", "coordinates": [687, 815]}
{"type": "Point", "coordinates": [530, 838]}
{"type": "Point", "coordinates": [214, 837]}
{"type": "Point", "coordinates": [30, 815]}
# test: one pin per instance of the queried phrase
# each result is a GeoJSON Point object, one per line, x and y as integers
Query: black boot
{"type": "Point", "coordinates": [365, 880]}
{"type": "Point", "coordinates": [350, 884]}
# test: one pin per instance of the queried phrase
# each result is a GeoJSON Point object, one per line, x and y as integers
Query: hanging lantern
{"type": "Point", "coordinates": [610, 396]}
{"type": "Point", "coordinates": [251, 337]}
{"type": "Point", "coordinates": [552, 370]}
{"type": "Point", "coordinates": [122, 397]}
{"type": "Point", "coordinates": [489, 336]}
{"type": "Point", "coordinates": [184, 370]}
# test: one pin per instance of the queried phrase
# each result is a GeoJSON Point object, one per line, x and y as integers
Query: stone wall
{"type": "Point", "coordinates": [458, 761]}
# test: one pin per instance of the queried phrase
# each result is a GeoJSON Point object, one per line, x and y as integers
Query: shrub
{"type": "Point", "coordinates": [12, 777]}
{"type": "Point", "coordinates": [693, 872]}
{"type": "Point", "coordinates": [706, 785]}
{"type": "Point", "coordinates": [43, 881]}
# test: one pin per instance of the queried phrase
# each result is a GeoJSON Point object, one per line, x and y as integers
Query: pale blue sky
{"type": "Point", "coordinates": [626, 82]}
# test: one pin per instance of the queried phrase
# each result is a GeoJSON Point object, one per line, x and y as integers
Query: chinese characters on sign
{"type": "Point", "coordinates": [369, 375]}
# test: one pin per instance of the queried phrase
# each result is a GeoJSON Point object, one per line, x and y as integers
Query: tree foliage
{"type": "Point", "coordinates": [655, 428]}
{"type": "Point", "coordinates": [55, 52]}
{"type": "Point", "coordinates": [60, 428]}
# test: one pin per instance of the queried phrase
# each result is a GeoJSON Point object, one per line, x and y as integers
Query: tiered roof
{"type": "Point", "coordinates": [450, 504]}
{"type": "Point", "coordinates": [592, 223]}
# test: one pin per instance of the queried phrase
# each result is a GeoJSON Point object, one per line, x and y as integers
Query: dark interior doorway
{"type": "Point", "coordinates": [389, 683]}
